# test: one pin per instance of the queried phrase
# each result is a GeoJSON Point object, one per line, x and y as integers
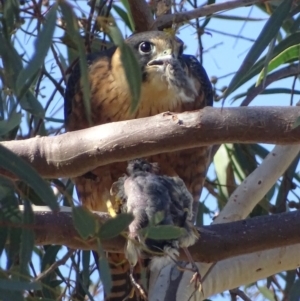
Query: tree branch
{"type": "Point", "coordinates": [165, 20]}
{"type": "Point", "coordinates": [217, 242]}
{"type": "Point", "coordinates": [141, 15]}
{"type": "Point", "coordinates": [62, 156]}
{"type": "Point", "coordinates": [251, 191]}
{"type": "Point", "coordinates": [227, 274]}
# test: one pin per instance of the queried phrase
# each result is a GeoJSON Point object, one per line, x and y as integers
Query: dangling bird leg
{"type": "Point", "coordinates": [196, 278]}
{"type": "Point", "coordinates": [136, 286]}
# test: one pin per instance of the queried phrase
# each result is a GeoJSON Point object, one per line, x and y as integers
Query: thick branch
{"type": "Point", "coordinates": [216, 242]}
{"type": "Point", "coordinates": [62, 156]}
{"type": "Point", "coordinates": [206, 10]}
{"type": "Point", "coordinates": [141, 15]}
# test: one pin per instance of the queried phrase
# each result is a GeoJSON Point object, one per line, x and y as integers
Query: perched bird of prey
{"type": "Point", "coordinates": [150, 196]}
{"type": "Point", "coordinates": [172, 81]}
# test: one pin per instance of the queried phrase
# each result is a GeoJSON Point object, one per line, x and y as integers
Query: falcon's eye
{"type": "Point", "coordinates": [145, 47]}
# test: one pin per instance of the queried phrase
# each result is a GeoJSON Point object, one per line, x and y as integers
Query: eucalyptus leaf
{"type": "Point", "coordinates": [288, 55]}
{"type": "Point", "coordinates": [114, 226]}
{"type": "Point", "coordinates": [27, 238]}
{"type": "Point", "coordinates": [130, 64]}
{"type": "Point", "coordinates": [17, 166]}
{"type": "Point", "coordinates": [163, 232]}
{"type": "Point", "coordinates": [42, 45]}
{"type": "Point", "coordinates": [84, 221]}
{"type": "Point", "coordinates": [104, 270]}
{"type": "Point", "coordinates": [19, 285]}
{"type": "Point", "coordinates": [73, 34]}
{"type": "Point", "coordinates": [13, 121]}
{"type": "Point", "coordinates": [270, 30]}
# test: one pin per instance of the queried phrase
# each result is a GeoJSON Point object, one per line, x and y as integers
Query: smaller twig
{"type": "Point", "coordinates": [55, 265]}
{"type": "Point", "coordinates": [291, 70]}
{"type": "Point", "coordinates": [241, 294]}
{"type": "Point", "coordinates": [200, 12]}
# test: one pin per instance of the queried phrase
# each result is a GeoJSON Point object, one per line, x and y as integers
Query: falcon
{"type": "Point", "coordinates": [171, 81]}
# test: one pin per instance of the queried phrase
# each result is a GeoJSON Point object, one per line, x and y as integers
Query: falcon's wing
{"type": "Point", "coordinates": [199, 74]}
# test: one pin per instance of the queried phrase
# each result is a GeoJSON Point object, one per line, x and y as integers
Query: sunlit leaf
{"type": "Point", "coordinates": [290, 54]}
{"type": "Point", "coordinates": [221, 163]}
{"type": "Point", "coordinates": [84, 221]}
{"type": "Point", "coordinates": [291, 40]}
{"type": "Point", "coordinates": [269, 31]}
{"type": "Point", "coordinates": [286, 186]}
{"type": "Point", "coordinates": [163, 232]}
{"type": "Point", "coordinates": [17, 166]}
{"type": "Point", "coordinates": [114, 226]}
{"type": "Point", "coordinates": [267, 293]}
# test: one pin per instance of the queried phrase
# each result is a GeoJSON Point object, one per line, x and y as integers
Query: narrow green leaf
{"type": "Point", "coordinates": [114, 226]}
{"type": "Point", "coordinates": [130, 64]}
{"type": "Point", "coordinates": [14, 245]}
{"type": "Point", "coordinates": [30, 103]}
{"type": "Point", "coordinates": [11, 61]}
{"type": "Point", "coordinates": [267, 293]}
{"type": "Point", "coordinates": [290, 40]}
{"type": "Point", "coordinates": [86, 267]}
{"type": "Point", "coordinates": [42, 45]}
{"type": "Point", "coordinates": [294, 293]}
{"type": "Point", "coordinates": [50, 256]}
{"type": "Point", "coordinates": [221, 162]}
{"type": "Point", "coordinates": [269, 31]}
{"type": "Point", "coordinates": [104, 270]}
{"type": "Point", "coordinates": [84, 221]}
{"type": "Point", "coordinates": [11, 162]}
{"type": "Point", "coordinates": [8, 125]}
{"type": "Point", "coordinates": [27, 238]}
{"type": "Point", "coordinates": [19, 285]}
{"type": "Point", "coordinates": [269, 91]}
{"type": "Point", "coordinates": [290, 54]}
{"type": "Point", "coordinates": [73, 32]}
{"type": "Point", "coordinates": [163, 232]}
{"type": "Point", "coordinates": [124, 16]}
{"type": "Point", "coordinates": [131, 20]}
{"type": "Point", "coordinates": [11, 12]}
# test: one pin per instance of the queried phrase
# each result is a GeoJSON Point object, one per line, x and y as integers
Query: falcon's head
{"type": "Point", "coordinates": [165, 69]}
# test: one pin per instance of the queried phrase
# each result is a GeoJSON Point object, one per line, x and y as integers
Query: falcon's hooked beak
{"type": "Point", "coordinates": [160, 60]}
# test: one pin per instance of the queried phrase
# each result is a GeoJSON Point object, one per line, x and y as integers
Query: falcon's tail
{"type": "Point", "coordinates": [122, 286]}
